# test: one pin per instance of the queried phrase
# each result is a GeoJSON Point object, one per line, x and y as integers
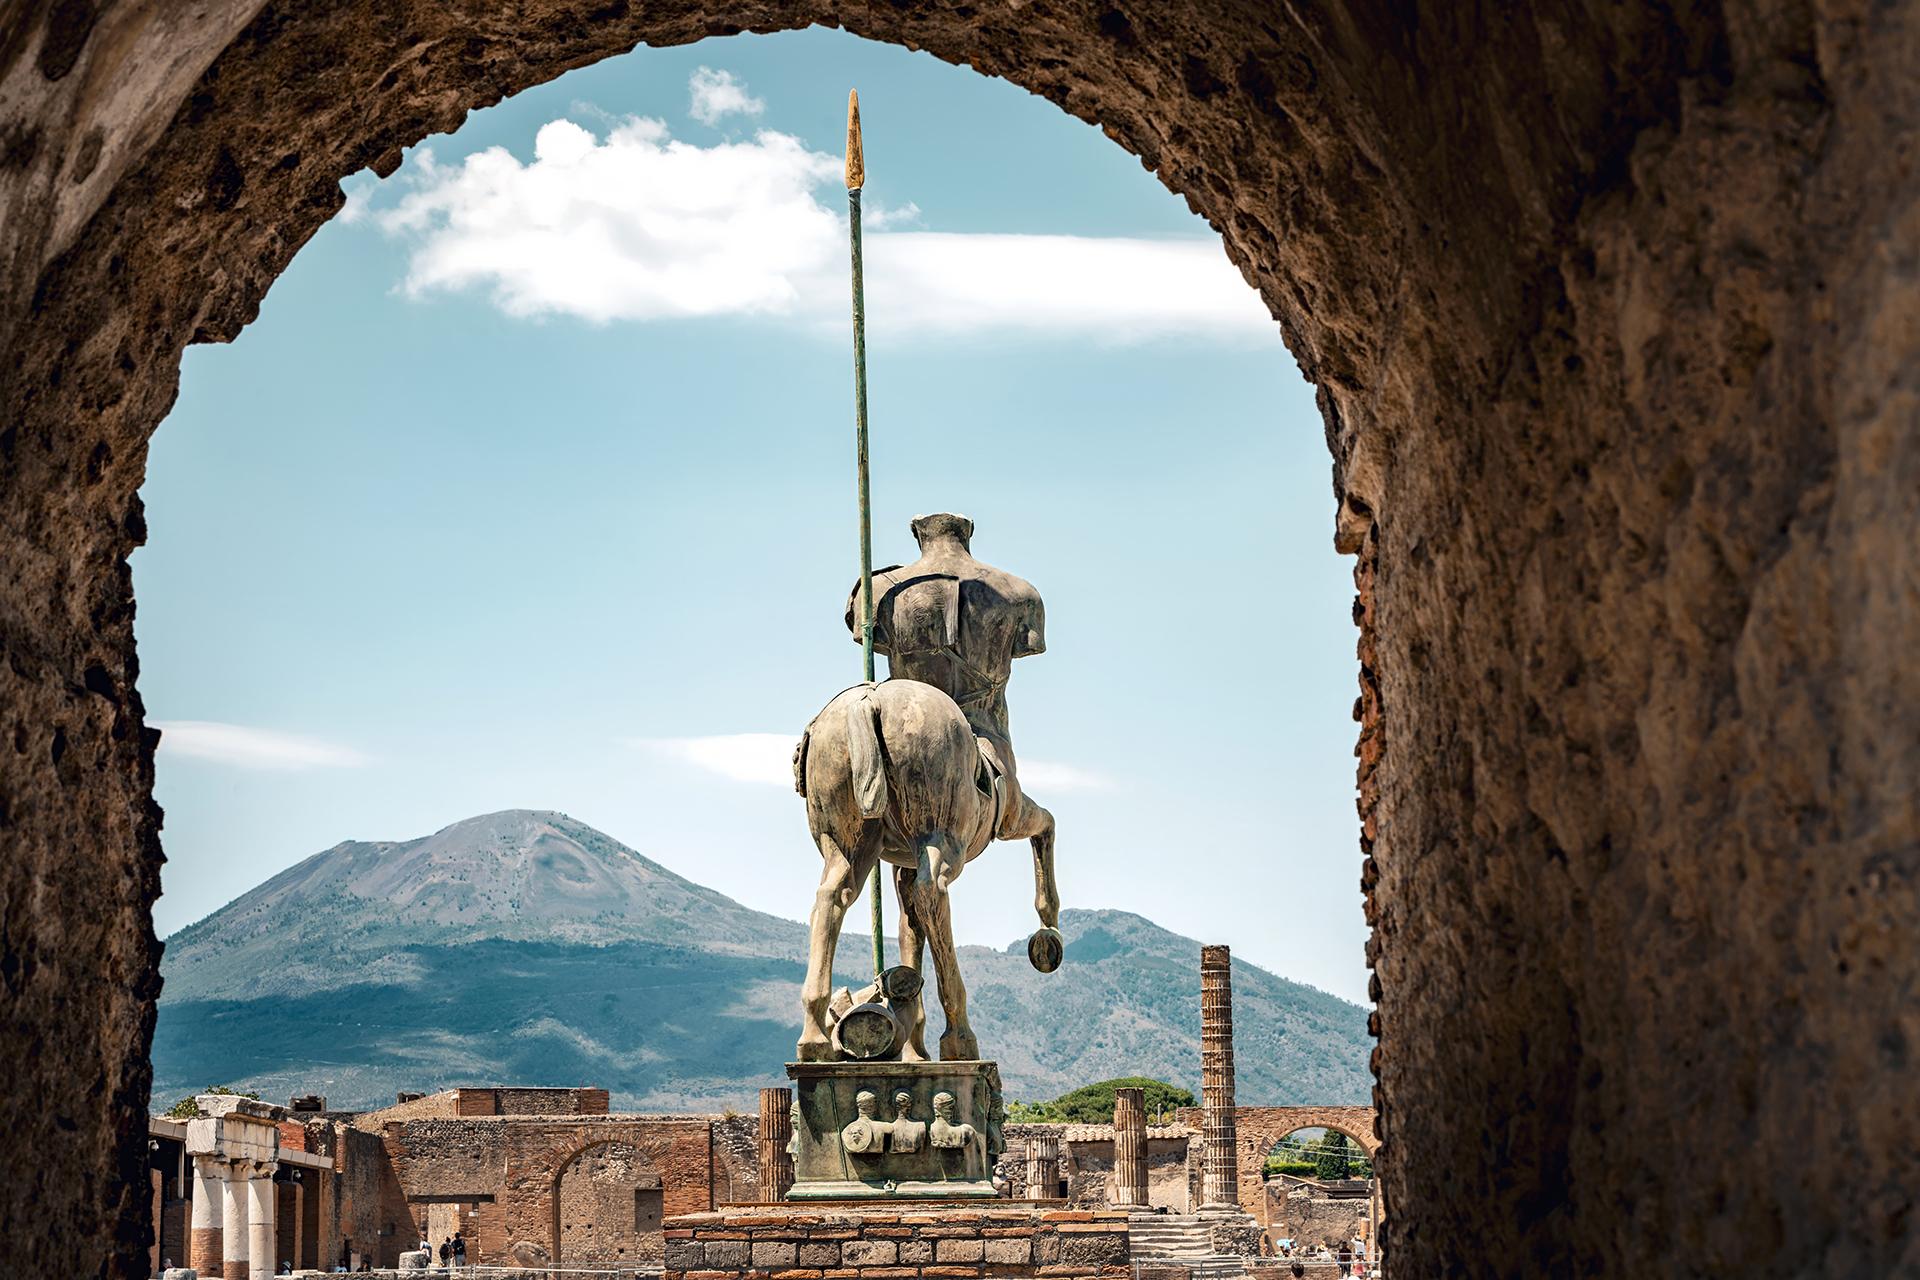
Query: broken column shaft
{"type": "Point", "coordinates": [1129, 1147]}
{"type": "Point", "coordinates": [233, 1223]}
{"type": "Point", "coordinates": [1043, 1165]}
{"type": "Point", "coordinates": [1221, 1186]}
{"type": "Point", "coordinates": [203, 1239]}
{"type": "Point", "coordinates": [262, 1212]}
{"type": "Point", "coordinates": [776, 1131]}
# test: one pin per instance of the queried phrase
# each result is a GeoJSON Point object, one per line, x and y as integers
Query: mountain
{"type": "Point", "coordinates": [526, 947]}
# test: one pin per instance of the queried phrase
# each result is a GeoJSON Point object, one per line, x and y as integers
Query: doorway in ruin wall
{"type": "Point", "coordinates": [607, 1209]}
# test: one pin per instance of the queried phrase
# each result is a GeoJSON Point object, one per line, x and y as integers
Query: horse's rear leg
{"type": "Point", "coordinates": [841, 874]}
{"type": "Point", "coordinates": [1031, 822]}
{"type": "Point", "coordinates": [912, 936]}
{"type": "Point", "coordinates": [940, 862]}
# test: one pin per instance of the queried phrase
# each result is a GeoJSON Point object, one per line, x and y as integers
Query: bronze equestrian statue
{"type": "Point", "coordinates": [919, 771]}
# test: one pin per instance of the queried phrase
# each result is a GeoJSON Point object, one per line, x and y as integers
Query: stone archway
{"type": "Point", "coordinates": [1258, 1129]}
{"type": "Point", "coordinates": [617, 1215]}
{"type": "Point", "coordinates": [1609, 311]}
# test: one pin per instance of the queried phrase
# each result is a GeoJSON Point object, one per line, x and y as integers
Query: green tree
{"type": "Point", "coordinates": [187, 1108]}
{"type": "Point", "coordinates": [1332, 1158]}
{"type": "Point", "coordinates": [1093, 1103]}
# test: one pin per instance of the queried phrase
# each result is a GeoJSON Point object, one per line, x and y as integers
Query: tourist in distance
{"type": "Point", "coordinates": [459, 1250]}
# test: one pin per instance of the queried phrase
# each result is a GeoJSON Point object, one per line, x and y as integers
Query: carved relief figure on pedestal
{"type": "Point", "coordinates": [908, 1134]}
{"type": "Point", "coordinates": [945, 1134]}
{"type": "Point", "coordinates": [863, 1135]}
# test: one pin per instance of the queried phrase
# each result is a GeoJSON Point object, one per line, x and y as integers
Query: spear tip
{"type": "Point", "coordinates": [856, 161]}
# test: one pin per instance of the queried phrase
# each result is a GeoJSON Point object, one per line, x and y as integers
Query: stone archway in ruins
{"type": "Point", "coordinates": [1609, 309]}
{"type": "Point", "coordinates": [1258, 1129]}
{"type": "Point", "coordinates": [621, 1204]}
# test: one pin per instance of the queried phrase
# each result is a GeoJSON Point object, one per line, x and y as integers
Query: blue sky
{"type": "Point", "coordinates": [532, 487]}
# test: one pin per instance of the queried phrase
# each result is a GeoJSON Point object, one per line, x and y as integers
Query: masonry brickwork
{"type": "Point", "coordinates": [1257, 1129]}
{"type": "Point", "coordinates": [948, 1242]}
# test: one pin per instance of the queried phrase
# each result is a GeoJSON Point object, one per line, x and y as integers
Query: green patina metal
{"type": "Point", "coordinates": [856, 176]}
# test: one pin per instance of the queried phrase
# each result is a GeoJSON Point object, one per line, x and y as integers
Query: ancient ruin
{"type": "Point", "coordinates": [1610, 313]}
{"type": "Point", "coordinates": [527, 1176]}
{"type": "Point", "coordinates": [551, 1178]}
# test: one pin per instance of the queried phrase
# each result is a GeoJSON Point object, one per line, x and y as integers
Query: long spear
{"type": "Point", "coordinates": [856, 178]}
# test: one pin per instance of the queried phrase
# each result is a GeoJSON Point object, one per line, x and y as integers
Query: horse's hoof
{"type": "Point", "coordinates": [1045, 949]}
{"type": "Point", "coordinates": [810, 1050]}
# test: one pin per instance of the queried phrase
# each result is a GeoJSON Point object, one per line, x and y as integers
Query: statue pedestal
{"type": "Point", "coordinates": [856, 1137]}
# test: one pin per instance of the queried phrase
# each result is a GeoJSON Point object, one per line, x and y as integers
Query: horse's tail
{"type": "Point", "coordinates": [864, 760]}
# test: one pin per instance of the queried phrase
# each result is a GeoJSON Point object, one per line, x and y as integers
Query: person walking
{"type": "Point", "coordinates": [459, 1251]}
{"type": "Point", "coordinates": [446, 1253]}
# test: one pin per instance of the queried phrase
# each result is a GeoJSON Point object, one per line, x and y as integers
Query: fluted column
{"type": "Point", "coordinates": [263, 1205]}
{"type": "Point", "coordinates": [233, 1223]}
{"type": "Point", "coordinates": [1043, 1165]}
{"type": "Point", "coordinates": [1221, 1187]}
{"type": "Point", "coordinates": [1129, 1147]}
{"type": "Point", "coordinates": [776, 1131]}
{"type": "Point", "coordinates": [203, 1234]}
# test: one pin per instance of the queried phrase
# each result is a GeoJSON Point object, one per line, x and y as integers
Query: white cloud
{"type": "Point", "coordinates": [741, 757]}
{"type": "Point", "coordinates": [768, 758]}
{"type": "Point", "coordinates": [1040, 777]}
{"type": "Point", "coordinates": [717, 94]}
{"type": "Point", "coordinates": [249, 748]}
{"type": "Point", "coordinates": [635, 225]}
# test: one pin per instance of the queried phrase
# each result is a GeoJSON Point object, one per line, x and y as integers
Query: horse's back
{"type": "Point", "coordinates": [921, 740]}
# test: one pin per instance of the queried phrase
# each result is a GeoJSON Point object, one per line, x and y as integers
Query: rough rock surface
{"type": "Point", "coordinates": [1614, 312]}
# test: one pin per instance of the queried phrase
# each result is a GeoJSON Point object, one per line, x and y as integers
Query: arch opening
{"type": "Point", "coordinates": [1612, 278]}
{"type": "Point", "coordinates": [608, 1208]}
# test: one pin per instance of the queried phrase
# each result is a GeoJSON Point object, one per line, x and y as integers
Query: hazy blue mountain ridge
{"type": "Point", "coordinates": [526, 947]}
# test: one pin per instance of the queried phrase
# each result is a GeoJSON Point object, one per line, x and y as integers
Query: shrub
{"type": "Point", "coordinates": [1093, 1103]}
{"type": "Point", "coordinates": [187, 1108]}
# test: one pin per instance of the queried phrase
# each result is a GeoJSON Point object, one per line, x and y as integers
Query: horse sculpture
{"type": "Point", "coordinates": [894, 772]}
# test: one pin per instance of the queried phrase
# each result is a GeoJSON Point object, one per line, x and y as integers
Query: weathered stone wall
{"type": "Point", "coordinates": [537, 1182]}
{"type": "Point", "coordinates": [1087, 1165]}
{"type": "Point", "coordinates": [736, 1159]}
{"type": "Point", "coordinates": [898, 1243]}
{"type": "Point", "coordinates": [1611, 313]}
{"type": "Point", "coordinates": [369, 1208]}
{"type": "Point", "coordinates": [1308, 1218]}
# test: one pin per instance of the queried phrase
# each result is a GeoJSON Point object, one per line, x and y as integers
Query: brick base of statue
{"type": "Point", "coordinates": [895, 1130]}
{"type": "Point", "coordinates": [891, 1241]}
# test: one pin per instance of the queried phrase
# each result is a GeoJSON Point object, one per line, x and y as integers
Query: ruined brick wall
{"type": "Point", "coordinates": [1012, 1166]}
{"type": "Point", "coordinates": [1610, 313]}
{"type": "Point", "coordinates": [1087, 1165]}
{"type": "Point", "coordinates": [954, 1243]}
{"type": "Point", "coordinates": [736, 1159]}
{"type": "Point", "coordinates": [1308, 1218]}
{"type": "Point", "coordinates": [443, 1105]}
{"type": "Point", "coordinates": [369, 1207]}
{"type": "Point", "coordinates": [560, 1188]}
{"type": "Point", "coordinates": [548, 1102]}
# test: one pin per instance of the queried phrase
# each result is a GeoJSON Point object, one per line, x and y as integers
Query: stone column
{"type": "Point", "coordinates": [233, 1223]}
{"type": "Point", "coordinates": [1043, 1165]}
{"type": "Point", "coordinates": [263, 1241]}
{"type": "Point", "coordinates": [1129, 1148]}
{"type": "Point", "coordinates": [776, 1131]}
{"type": "Point", "coordinates": [203, 1232]}
{"type": "Point", "coordinates": [1221, 1188]}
